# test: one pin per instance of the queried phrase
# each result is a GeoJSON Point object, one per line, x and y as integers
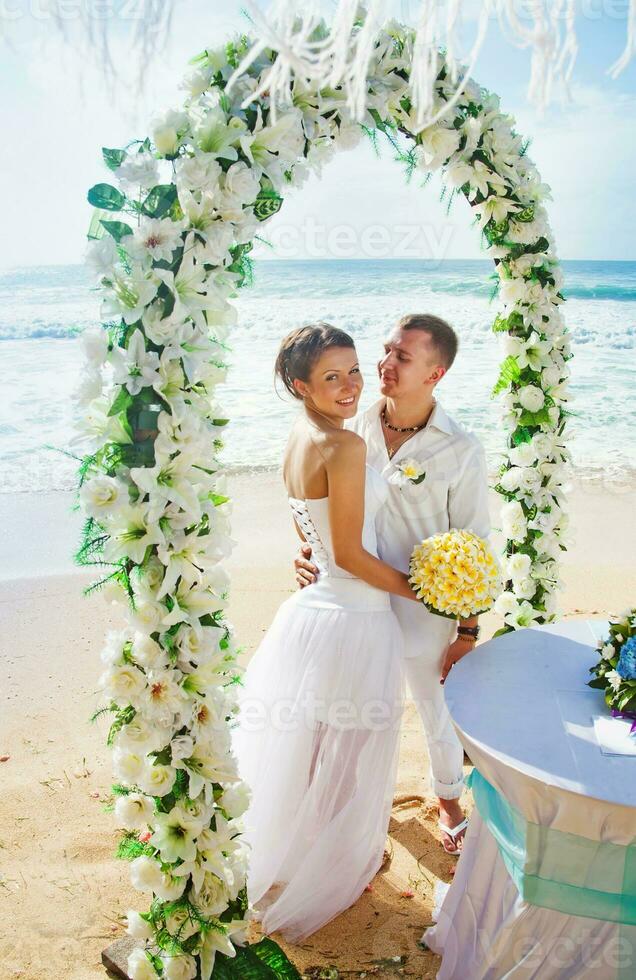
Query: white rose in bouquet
{"type": "Point", "coordinates": [511, 479]}
{"type": "Point", "coordinates": [157, 780]}
{"type": "Point", "coordinates": [140, 967]}
{"type": "Point", "coordinates": [138, 928]}
{"type": "Point", "coordinates": [123, 683]}
{"type": "Point", "coordinates": [236, 799]}
{"type": "Point", "coordinates": [531, 398]}
{"type": "Point", "coordinates": [513, 521]}
{"type": "Point", "coordinates": [145, 874]}
{"type": "Point", "coordinates": [128, 766]}
{"type": "Point", "coordinates": [525, 454]}
{"type": "Point", "coordinates": [165, 131]}
{"type": "Point", "coordinates": [102, 495]}
{"type": "Point", "coordinates": [518, 566]}
{"type": "Point", "coordinates": [138, 170]}
{"type": "Point", "coordinates": [182, 967]}
{"type": "Point", "coordinates": [134, 811]}
{"type": "Point", "coordinates": [212, 897]}
{"type": "Point", "coordinates": [242, 182]}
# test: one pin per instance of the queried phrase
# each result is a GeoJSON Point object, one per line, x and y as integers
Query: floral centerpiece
{"type": "Point", "coordinates": [615, 672]}
{"type": "Point", "coordinates": [455, 574]}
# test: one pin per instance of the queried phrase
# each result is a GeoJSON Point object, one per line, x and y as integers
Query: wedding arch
{"type": "Point", "coordinates": [171, 244]}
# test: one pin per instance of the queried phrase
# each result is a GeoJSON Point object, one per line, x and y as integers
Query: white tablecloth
{"type": "Point", "coordinates": [524, 715]}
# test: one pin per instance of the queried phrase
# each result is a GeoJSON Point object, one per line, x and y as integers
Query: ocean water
{"type": "Point", "coordinates": [44, 309]}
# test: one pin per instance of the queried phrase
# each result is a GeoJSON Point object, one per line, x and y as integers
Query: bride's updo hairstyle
{"type": "Point", "coordinates": [300, 350]}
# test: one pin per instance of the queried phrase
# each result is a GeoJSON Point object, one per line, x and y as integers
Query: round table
{"type": "Point", "coordinates": [546, 883]}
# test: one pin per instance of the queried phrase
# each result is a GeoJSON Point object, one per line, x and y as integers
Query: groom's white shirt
{"type": "Point", "coordinates": [454, 494]}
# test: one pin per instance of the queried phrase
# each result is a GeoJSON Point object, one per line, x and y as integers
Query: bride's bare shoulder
{"type": "Point", "coordinates": [343, 443]}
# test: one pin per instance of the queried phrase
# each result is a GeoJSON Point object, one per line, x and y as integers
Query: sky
{"type": "Point", "coordinates": [57, 111]}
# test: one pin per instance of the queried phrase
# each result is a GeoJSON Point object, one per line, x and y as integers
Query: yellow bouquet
{"type": "Point", "coordinates": [455, 574]}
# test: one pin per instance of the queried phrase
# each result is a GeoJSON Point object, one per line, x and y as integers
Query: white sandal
{"type": "Point", "coordinates": [453, 833]}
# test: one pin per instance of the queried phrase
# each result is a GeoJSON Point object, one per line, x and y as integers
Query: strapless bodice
{"type": "Point", "coordinates": [338, 586]}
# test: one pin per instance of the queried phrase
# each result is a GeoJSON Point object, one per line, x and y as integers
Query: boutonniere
{"type": "Point", "coordinates": [408, 471]}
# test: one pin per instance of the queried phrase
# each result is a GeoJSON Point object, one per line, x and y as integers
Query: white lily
{"type": "Point", "coordinates": [186, 557]}
{"type": "Point", "coordinates": [156, 238]}
{"type": "Point", "coordinates": [171, 381]}
{"type": "Point", "coordinates": [134, 366]}
{"type": "Point", "coordinates": [204, 767]}
{"type": "Point", "coordinates": [196, 350]}
{"type": "Point", "coordinates": [218, 941]}
{"type": "Point", "coordinates": [495, 208]}
{"type": "Point", "coordinates": [535, 353]}
{"type": "Point", "coordinates": [190, 604]}
{"type": "Point", "coordinates": [193, 292]}
{"type": "Point", "coordinates": [525, 616]}
{"type": "Point", "coordinates": [130, 534]}
{"type": "Point", "coordinates": [482, 179]}
{"type": "Point", "coordinates": [280, 144]}
{"type": "Point", "coordinates": [169, 482]}
{"type": "Point", "coordinates": [96, 426]}
{"type": "Point", "coordinates": [127, 295]}
{"type": "Point", "coordinates": [214, 134]}
{"type": "Point", "coordinates": [435, 145]}
{"type": "Point", "coordinates": [175, 835]}
{"type": "Point", "coordinates": [200, 209]}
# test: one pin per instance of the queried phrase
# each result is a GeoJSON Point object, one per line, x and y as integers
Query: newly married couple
{"type": "Point", "coordinates": [320, 710]}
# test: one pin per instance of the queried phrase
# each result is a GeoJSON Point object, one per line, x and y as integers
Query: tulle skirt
{"type": "Point", "coordinates": [317, 742]}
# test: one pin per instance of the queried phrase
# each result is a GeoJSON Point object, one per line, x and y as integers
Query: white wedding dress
{"type": "Point", "coordinates": [318, 736]}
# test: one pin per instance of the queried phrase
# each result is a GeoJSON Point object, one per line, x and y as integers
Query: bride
{"type": "Point", "coordinates": [317, 739]}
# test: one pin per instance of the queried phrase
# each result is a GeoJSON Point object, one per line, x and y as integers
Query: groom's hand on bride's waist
{"type": "Point", "coordinates": [306, 572]}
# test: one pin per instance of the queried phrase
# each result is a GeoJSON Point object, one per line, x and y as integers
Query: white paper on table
{"type": "Point", "coordinates": [613, 735]}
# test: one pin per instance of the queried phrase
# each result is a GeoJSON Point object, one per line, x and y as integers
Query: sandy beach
{"type": "Point", "coordinates": [63, 896]}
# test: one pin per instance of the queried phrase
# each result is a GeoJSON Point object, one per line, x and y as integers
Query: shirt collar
{"type": "Point", "coordinates": [438, 418]}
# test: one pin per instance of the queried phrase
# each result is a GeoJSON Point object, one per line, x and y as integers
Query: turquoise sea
{"type": "Point", "coordinates": [44, 308]}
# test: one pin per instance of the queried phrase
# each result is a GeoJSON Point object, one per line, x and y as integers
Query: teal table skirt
{"type": "Point", "coordinates": [557, 870]}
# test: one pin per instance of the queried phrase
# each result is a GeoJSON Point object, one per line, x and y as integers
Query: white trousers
{"type": "Point", "coordinates": [445, 751]}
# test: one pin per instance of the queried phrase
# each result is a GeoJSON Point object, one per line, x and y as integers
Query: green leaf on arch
{"type": "Point", "coordinates": [159, 201]}
{"type": "Point", "coordinates": [510, 372]}
{"type": "Point", "coordinates": [118, 229]}
{"type": "Point", "coordinates": [113, 158]}
{"type": "Point", "coordinates": [96, 228]}
{"type": "Point", "coordinates": [121, 403]}
{"type": "Point", "coordinates": [107, 197]}
{"type": "Point", "coordinates": [535, 418]}
{"type": "Point", "coordinates": [267, 203]}
{"type": "Point", "coordinates": [260, 961]}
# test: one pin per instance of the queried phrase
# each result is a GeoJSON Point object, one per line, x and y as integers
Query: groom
{"type": "Point", "coordinates": [409, 423]}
